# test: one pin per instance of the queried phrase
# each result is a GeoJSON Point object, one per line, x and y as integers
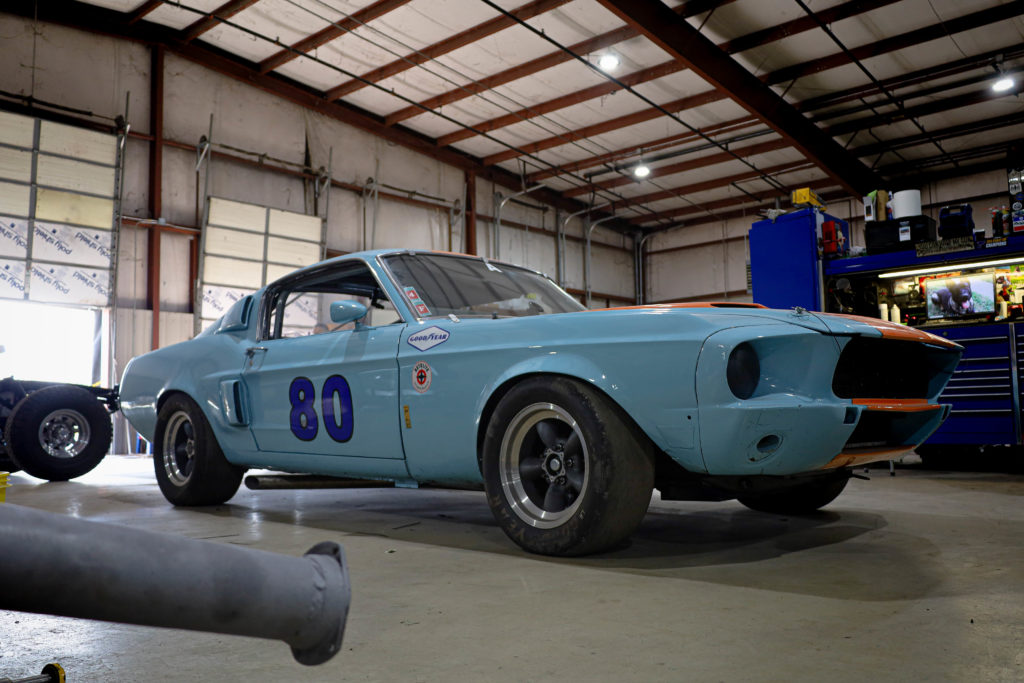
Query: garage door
{"type": "Point", "coordinates": [58, 189]}
{"type": "Point", "coordinates": [245, 246]}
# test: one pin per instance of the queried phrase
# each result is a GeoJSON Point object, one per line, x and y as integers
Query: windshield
{"type": "Point", "coordinates": [437, 285]}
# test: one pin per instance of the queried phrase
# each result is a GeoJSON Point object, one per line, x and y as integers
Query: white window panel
{"type": "Point", "coordinates": [70, 244]}
{"type": "Point", "coordinates": [275, 272]}
{"type": "Point", "coordinates": [77, 142]}
{"type": "Point", "coordinates": [217, 300]}
{"type": "Point", "coordinates": [295, 225]}
{"type": "Point", "coordinates": [13, 237]}
{"type": "Point", "coordinates": [12, 279]}
{"type": "Point", "coordinates": [224, 242]}
{"type": "Point", "coordinates": [229, 214]}
{"type": "Point", "coordinates": [232, 272]}
{"type": "Point", "coordinates": [78, 176]}
{"type": "Point", "coordinates": [67, 207]}
{"type": "Point", "coordinates": [15, 164]}
{"type": "Point", "coordinates": [292, 252]}
{"type": "Point", "coordinates": [301, 313]}
{"type": "Point", "coordinates": [14, 199]}
{"type": "Point", "coordinates": [70, 284]}
{"type": "Point", "coordinates": [16, 130]}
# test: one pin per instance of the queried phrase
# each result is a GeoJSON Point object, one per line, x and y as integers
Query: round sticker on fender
{"type": "Point", "coordinates": [421, 376]}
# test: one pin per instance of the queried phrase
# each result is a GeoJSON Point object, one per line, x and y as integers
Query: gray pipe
{"type": "Point", "coordinates": [59, 565]}
{"type": "Point", "coordinates": [586, 261]}
{"type": "Point", "coordinates": [500, 201]}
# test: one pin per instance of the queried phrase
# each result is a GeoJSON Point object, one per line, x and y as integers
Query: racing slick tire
{"type": "Point", "coordinates": [801, 499]}
{"type": "Point", "coordinates": [565, 472]}
{"type": "Point", "coordinates": [58, 432]}
{"type": "Point", "coordinates": [190, 467]}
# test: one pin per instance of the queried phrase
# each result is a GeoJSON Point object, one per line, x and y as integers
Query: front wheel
{"type": "Point", "coordinates": [58, 432]}
{"type": "Point", "coordinates": [190, 467]}
{"type": "Point", "coordinates": [564, 471]}
{"type": "Point", "coordinates": [801, 499]}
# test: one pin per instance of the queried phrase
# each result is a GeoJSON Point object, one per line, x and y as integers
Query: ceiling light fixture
{"type": "Point", "coordinates": [641, 170]}
{"type": "Point", "coordinates": [1003, 84]}
{"type": "Point", "coordinates": [950, 267]}
{"type": "Point", "coordinates": [607, 62]}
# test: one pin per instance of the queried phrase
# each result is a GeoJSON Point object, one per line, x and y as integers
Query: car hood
{"type": "Point", "coordinates": [733, 314]}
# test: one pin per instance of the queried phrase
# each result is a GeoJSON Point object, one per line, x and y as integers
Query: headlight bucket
{"type": "Point", "coordinates": [743, 372]}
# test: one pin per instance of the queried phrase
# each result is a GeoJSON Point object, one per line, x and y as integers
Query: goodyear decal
{"type": "Point", "coordinates": [428, 338]}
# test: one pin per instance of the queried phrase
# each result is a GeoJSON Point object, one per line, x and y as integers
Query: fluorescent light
{"type": "Point", "coordinates": [950, 267]}
{"type": "Point", "coordinates": [608, 62]}
{"type": "Point", "coordinates": [641, 170]}
{"type": "Point", "coordinates": [1003, 84]}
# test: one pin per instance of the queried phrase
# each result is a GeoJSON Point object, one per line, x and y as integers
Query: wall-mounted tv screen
{"type": "Point", "coordinates": [960, 296]}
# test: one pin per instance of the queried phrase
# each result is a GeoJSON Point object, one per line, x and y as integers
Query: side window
{"type": "Point", "coordinates": [301, 306]}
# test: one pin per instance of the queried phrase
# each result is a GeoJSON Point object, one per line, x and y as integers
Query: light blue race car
{"type": "Point", "coordinates": [415, 368]}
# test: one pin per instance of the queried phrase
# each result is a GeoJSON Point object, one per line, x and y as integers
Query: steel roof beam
{"type": "Point", "coordinates": [924, 109]}
{"type": "Point", "coordinates": [599, 42]}
{"type": "Point", "coordinates": [108, 22]}
{"type": "Point", "coordinates": [609, 125]}
{"type": "Point", "coordinates": [325, 35]}
{"type": "Point", "coordinates": [686, 43]}
{"type": "Point", "coordinates": [815, 103]}
{"type": "Point", "coordinates": [727, 202]}
{"type": "Point", "coordinates": [443, 47]}
{"type": "Point", "coordinates": [862, 151]}
{"type": "Point", "coordinates": [714, 183]}
{"type": "Point", "coordinates": [970, 128]}
{"type": "Point", "coordinates": [755, 39]}
{"type": "Point", "coordinates": [143, 9]}
{"type": "Point", "coordinates": [906, 80]}
{"type": "Point", "coordinates": [633, 150]}
{"type": "Point", "coordinates": [810, 66]}
{"type": "Point", "coordinates": [683, 166]}
{"type": "Point", "coordinates": [919, 179]}
{"type": "Point", "coordinates": [904, 40]}
{"type": "Point", "coordinates": [212, 19]}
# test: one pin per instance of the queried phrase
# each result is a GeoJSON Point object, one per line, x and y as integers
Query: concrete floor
{"type": "Point", "coordinates": [913, 577]}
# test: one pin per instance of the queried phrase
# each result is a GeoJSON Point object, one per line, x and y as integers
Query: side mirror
{"type": "Point", "coordinates": [237, 317]}
{"type": "Point", "coordinates": [347, 311]}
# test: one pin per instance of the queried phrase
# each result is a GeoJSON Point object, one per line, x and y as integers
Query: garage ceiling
{"type": "Point", "coordinates": [730, 103]}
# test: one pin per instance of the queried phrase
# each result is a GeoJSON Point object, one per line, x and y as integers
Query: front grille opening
{"type": "Point", "coordinates": [882, 429]}
{"type": "Point", "coordinates": [882, 368]}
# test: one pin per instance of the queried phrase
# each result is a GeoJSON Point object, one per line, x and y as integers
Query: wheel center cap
{"type": "Point", "coordinates": [190, 448]}
{"type": "Point", "coordinates": [555, 464]}
{"type": "Point", "coordinates": [61, 434]}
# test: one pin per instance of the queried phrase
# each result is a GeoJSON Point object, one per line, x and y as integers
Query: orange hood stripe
{"type": "Point", "coordinates": [693, 304]}
{"type": "Point", "coordinates": [893, 331]}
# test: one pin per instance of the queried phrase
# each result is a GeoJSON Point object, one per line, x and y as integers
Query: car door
{"type": "Point", "coordinates": [320, 388]}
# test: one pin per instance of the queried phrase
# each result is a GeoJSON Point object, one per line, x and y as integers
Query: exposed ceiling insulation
{"type": "Point", "coordinates": [729, 103]}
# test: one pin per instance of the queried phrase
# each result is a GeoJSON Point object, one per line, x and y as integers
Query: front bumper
{"type": "Point", "coordinates": [794, 422]}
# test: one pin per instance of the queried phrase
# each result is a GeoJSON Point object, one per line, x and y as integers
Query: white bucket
{"type": "Point", "coordinates": [906, 203]}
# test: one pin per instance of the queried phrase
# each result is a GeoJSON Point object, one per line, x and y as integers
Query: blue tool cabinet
{"type": "Point", "coordinates": [787, 269]}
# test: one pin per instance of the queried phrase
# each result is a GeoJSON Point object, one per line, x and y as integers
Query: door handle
{"type": "Point", "coordinates": [251, 351]}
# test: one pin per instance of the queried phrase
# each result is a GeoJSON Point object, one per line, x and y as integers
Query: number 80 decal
{"type": "Point", "coordinates": [303, 417]}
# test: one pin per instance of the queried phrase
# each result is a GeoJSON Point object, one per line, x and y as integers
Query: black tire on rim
{"type": "Point", "coordinates": [190, 467]}
{"type": "Point", "coordinates": [58, 433]}
{"type": "Point", "coordinates": [565, 472]}
{"type": "Point", "coordinates": [801, 499]}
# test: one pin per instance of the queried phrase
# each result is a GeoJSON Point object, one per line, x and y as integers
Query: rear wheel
{"type": "Point", "coordinates": [564, 472]}
{"type": "Point", "coordinates": [58, 432]}
{"type": "Point", "coordinates": [190, 467]}
{"type": "Point", "coordinates": [801, 499]}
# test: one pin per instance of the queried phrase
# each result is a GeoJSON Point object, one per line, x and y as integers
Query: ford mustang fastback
{"type": "Point", "coordinates": [422, 368]}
